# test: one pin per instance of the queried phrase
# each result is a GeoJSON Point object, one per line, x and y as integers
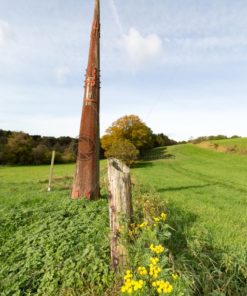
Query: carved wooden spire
{"type": "Point", "coordinates": [86, 179]}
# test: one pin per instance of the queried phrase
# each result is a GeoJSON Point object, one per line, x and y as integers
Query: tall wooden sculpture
{"type": "Point", "coordinates": [86, 179]}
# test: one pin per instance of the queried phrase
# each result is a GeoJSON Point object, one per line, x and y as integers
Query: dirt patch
{"type": "Point", "coordinates": [213, 146]}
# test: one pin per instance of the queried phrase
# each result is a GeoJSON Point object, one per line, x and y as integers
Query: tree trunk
{"type": "Point", "coordinates": [120, 208]}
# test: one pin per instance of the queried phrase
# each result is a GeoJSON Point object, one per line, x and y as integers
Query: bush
{"type": "Point", "coordinates": [123, 150]}
{"type": "Point", "coordinates": [151, 270]}
{"type": "Point", "coordinates": [131, 128]}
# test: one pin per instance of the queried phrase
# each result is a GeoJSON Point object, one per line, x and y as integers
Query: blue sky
{"type": "Point", "coordinates": [181, 65]}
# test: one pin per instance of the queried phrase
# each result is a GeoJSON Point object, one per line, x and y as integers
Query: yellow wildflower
{"type": "Point", "coordinates": [157, 249]}
{"type": "Point", "coordinates": [174, 276]}
{"type": "Point", "coordinates": [154, 260]}
{"type": "Point", "coordinates": [130, 284]}
{"type": "Point", "coordinates": [156, 219]}
{"type": "Point", "coordinates": [121, 229]}
{"type": "Point", "coordinates": [142, 270]}
{"type": "Point", "coordinates": [163, 216]}
{"type": "Point", "coordinates": [154, 270]}
{"type": "Point", "coordinates": [144, 224]}
{"type": "Point", "coordinates": [162, 287]}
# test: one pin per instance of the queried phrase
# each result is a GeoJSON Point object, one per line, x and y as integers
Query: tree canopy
{"type": "Point", "coordinates": [131, 128]}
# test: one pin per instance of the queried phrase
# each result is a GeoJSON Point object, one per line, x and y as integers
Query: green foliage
{"type": "Point", "coordinates": [18, 148]}
{"type": "Point", "coordinates": [209, 138]}
{"type": "Point", "coordinates": [131, 128]}
{"type": "Point", "coordinates": [206, 199]}
{"type": "Point", "coordinates": [123, 150]}
{"type": "Point", "coordinates": [49, 244]}
{"type": "Point", "coordinates": [233, 145]}
{"type": "Point", "coordinates": [151, 270]}
{"type": "Point", "coordinates": [161, 140]}
{"type": "Point", "coordinates": [43, 236]}
{"type": "Point", "coordinates": [22, 149]}
{"type": "Point", "coordinates": [41, 154]}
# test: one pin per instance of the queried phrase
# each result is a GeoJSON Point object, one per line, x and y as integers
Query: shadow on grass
{"type": "Point", "coordinates": [140, 165]}
{"type": "Point", "coordinates": [180, 221]}
{"type": "Point", "coordinates": [182, 187]}
{"type": "Point", "coordinates": [155, 154]}
{"type": "Point", "coordinates": [210, 269]}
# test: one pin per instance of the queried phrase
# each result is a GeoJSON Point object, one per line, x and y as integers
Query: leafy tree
{"type": "Point", "coordinates": [18, 149]}
{"type": "Point", "coordinates": [160, 140]}
{"type": "Point", "coordinates": [69, 154]}
{"type": "Point", "coordinates": [41, 154]}
{"type": "Point", "coordinates": [131, 128]}
{"type": "Point", "coordinates": [123, 150]}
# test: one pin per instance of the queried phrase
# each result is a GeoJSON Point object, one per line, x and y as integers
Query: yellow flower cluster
{"type": "Point", "coordinates": [154, 270]}
{"type": "Point", "coordinates": [162, 286]}
{"type": "Point", "coordinates": [142, 270]}
{"type": "Point", "coordinates": [143, 225]}
{"type": "Point", "coordinates": [154, 260]}
{"type": "Point", "coordinates": [135, 228]}
{"type": "Point", "coordinates": [157, 249]}
{"type": "Point", "coordinates": [174, 276]}
{"type": "Point", "coordinates": [163, 216]}
{"type": "Point", "coordinates": [121, 229]}
{"type": "Point", "coordinates": [131, 285]}
{"type": "Point", "coordinates": [156, 219]}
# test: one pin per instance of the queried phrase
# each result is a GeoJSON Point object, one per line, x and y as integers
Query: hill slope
{"type": "Point", "coordinates": [208, 186]}
{"type": "Point", "coordinates": [50, 243]}
{"type": "Point", "coordinates": [236, 145]}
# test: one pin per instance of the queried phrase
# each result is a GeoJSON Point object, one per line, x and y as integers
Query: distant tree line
{"type": "Point", "coordinates": [211, 138]}
{"type": "Point", "coordinates": [127, 137]}
{"type": "Point", "coordinates": [24, 149]}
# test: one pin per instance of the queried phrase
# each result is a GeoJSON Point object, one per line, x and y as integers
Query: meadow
{"type": "Point", "coordinates": [233, 145]}
{"type": "Point", "coordinates": [51, 245]}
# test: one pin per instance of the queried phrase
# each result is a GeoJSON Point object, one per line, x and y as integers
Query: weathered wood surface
{"type": "Point", "coordinates": [51, 169]}
{"type": "Point", "coordinates": [120, 208]}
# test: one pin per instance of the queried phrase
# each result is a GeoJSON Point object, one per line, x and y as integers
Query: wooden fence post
{"type": "Point", "coordinates": [51, 169]}
{"type": "Point", "coordinates": [120, 208]}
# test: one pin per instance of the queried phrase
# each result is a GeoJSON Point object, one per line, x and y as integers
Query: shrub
{"type": "Point", "coordinates": [123, 150]}
{"type": "Point", "coordinates": [151, 271]}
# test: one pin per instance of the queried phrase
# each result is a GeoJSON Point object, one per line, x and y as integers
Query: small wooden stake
{"type": "Point", "coordinates": [120, 208]}
{"type": "Point", "coordinates": [51, 169]}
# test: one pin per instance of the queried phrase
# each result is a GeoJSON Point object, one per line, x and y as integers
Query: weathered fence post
{"type": "Point", "coordinates": [120, 208]}
{"type": "Point", "coordinates": [51, 169]}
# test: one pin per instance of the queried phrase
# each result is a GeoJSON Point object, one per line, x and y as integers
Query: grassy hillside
{"type": "Point", "coordinates": [206, 194]}
{"type": "Point", "coordinates": [209, 186]}
{"type": "Point", "coordinates": [236, 145]}
{"type": "Point", "coordinates": [51, 245]}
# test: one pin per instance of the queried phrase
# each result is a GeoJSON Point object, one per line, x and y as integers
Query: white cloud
{"type": "Point", "coordinates": [116, 15]}
{"type": "Point", "coordinates": [62, 73]}
{"type": "Point", "coordinates": [140, 48]}
{"type": "Point", "coordinates": [5, 33]}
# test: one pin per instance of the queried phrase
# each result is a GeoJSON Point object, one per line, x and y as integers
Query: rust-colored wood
{"type": "Point", "coordinates": [86, 179]}
{"type": "Point", "coordinates": [120, 209]}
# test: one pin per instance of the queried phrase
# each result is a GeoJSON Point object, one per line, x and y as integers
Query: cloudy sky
{"type": "Point", "coordinates": [181, 65]}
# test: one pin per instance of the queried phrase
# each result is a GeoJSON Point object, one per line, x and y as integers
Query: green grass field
{"type": "Point", "coordinates": [209, 186]}
{"type": "Point", "coordinates": [235, 145]}
{"type": "Point", "coordinates": [240, 143]}
{"type": "Point", "coordinates": [51, 245]}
